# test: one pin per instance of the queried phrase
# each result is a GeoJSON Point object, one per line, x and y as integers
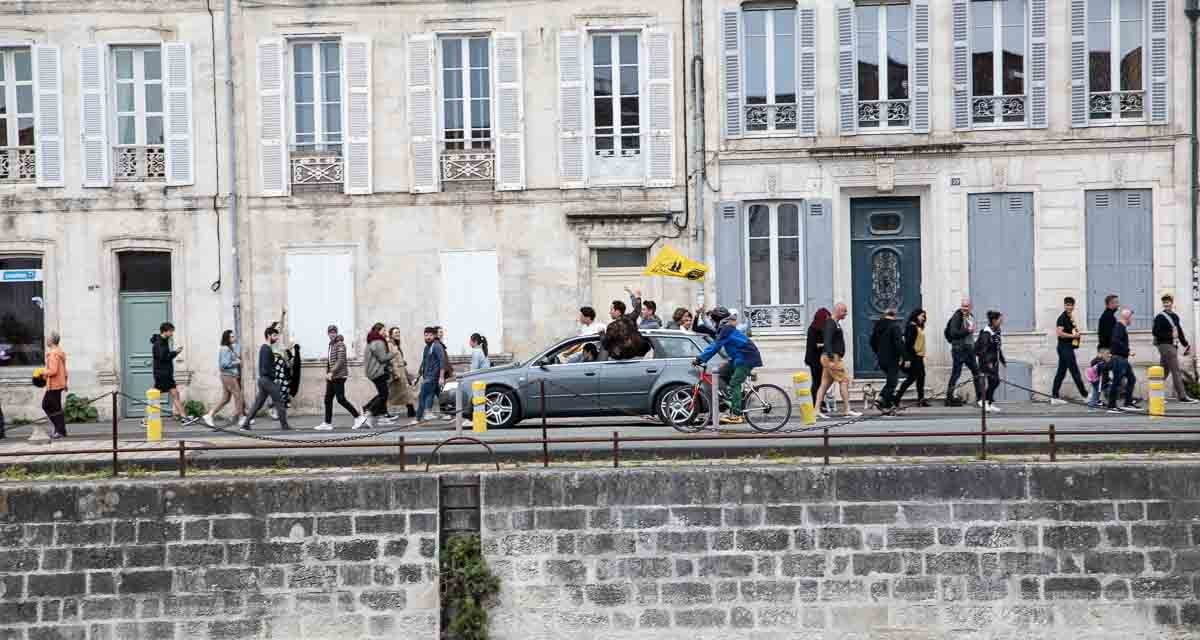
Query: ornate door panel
{"type": "Point", "coordinates": [885, 268]}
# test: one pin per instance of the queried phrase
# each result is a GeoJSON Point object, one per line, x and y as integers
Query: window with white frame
{"type": "Point", "coordinates": [774, 263]}
{"type": "Point", "coordinates": [139, 149]}
{"type": "Point", "coordinates": [769, 43]}
{"type": "Point", "coordinates": [17, 155]}
{"type": "Point", "coordinates": [616, 95]}
{"type": "Point", "coordinates": [1116, 37]}
{"type": "Point", "coordinates": [466, 93]}
{"type": "Point", "coordinates": [317, 96]}
{"type": "Point", "coordinates": [998, 52]}
{"type": "Point", "coordinates": [883, 55]}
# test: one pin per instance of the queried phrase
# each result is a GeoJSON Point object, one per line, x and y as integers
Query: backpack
{"type": "Point", "coordinates": [946, 331]}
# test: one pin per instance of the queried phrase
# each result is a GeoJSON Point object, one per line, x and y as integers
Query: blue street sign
{"type": "Point", "coordinates": [21, 275]}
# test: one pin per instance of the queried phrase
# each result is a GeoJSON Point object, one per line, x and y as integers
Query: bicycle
{"type": "Point", "coordinates": [766, 407]}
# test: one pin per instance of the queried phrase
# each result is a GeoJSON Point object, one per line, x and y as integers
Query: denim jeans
{"type": "Point", "coordinates": [964, 356]}
{"type": "Point", "coordinates": [1122, 375]}
{"type": "Point", "coordinates": [1067, 364]}
{"type": "Point", "coordinates": [428, 399]}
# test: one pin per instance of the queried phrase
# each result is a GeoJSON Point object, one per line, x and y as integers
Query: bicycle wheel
{"type": "Point", "coordinates": [767, 408]}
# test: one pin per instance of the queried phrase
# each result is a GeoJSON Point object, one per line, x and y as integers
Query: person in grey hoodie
{"type": "Point", "coordinates": [336, 372]}
{"type": "Point", "coordinates": [433, 367]}
{"type": "Point", "coordinates": [379, 372]}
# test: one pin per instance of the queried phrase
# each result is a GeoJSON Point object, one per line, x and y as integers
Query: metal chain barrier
{"type": "Point", "coordinates": [46, 418]}
{"type": "Point", "coordinates": [1081, 403]}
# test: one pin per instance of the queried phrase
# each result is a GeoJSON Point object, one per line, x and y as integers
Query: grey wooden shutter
{"type": "Point", "coordinates": [660, 110]}
{"type": "Point", "coordinates": [572, 100]}
{"type": "Point", "coordinates": [962, 66]}
{"type": "Point", "coordinates": [1160, 64]}
{"type": "Point", "coordinates": [818, 255]}
{"type": "Point", "coordinates": [731, 265]}
{"type": "Point", "coordinates": [808, 72]}
{"type": "Point", "coordinates": [731, 47]}
{"type": "Point", "coordinates": [920, 117]}
{"type": "Point", "coordinates": [1001, 244]}
{"type": "Point", "coordinates": [1120, 256]}
{"type": "Point", "coordinates": [1038, 107]}
{"type": "Point", "coordinates": [847, 88]}
{"type": "Point", "coordinates": [93, 114]}
{"type": "Point", "coordinates": [1101, 234]}
{"type": "Point", "coordinates": [1079, 64]}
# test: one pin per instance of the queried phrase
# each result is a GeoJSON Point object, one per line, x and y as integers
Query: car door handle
{"type": "Point", "coordinates": [590, 373]}
{"type": "Point", "coordinates": [651, 370]}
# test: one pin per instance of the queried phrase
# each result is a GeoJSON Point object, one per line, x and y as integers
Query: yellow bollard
{"type": "Point", "coordinates": [803, 383]}
{"type": "Point", "coordinates": [1158, 391]}
{"type": "Point", "coordinates": [153, 416]}
{"type": "Point", "coordinates": [478, 402]}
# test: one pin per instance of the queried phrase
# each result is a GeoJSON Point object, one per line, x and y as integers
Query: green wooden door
{"type": "Point", "coordinates": [141, 315]}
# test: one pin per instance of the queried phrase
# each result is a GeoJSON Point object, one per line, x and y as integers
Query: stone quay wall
{"type": "Point", "coordinates": [913, 552]}
{"type": "Point", "coordinates": [324, 558]}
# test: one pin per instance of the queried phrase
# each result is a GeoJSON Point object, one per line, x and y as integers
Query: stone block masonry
{"type": "Point", "coordinates": [939, 551]}
{"type": "Point", "coordinates": [283, 559]}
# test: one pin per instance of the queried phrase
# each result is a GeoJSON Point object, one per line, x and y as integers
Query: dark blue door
{"type": "Point", "coordinates": [885, 237]}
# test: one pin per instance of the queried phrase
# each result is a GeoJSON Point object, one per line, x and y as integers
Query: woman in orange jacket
{"type": "Point", "coordinates": [56, 386]}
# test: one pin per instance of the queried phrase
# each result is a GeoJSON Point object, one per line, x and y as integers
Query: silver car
{"type": "Point", "coordinates": [578, 386]}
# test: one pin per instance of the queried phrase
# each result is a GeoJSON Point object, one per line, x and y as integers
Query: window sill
{"type": "Point", "coordinates": [1120, 123]}
{"type": "Point", "coordinates": [880, 132]}
{"type": "Point", "coordinates": [761, 135]}
{"type": "Point", "coordinates": [1012, 126]}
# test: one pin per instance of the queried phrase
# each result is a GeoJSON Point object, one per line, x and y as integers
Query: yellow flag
{"type": "Point", "coordinates": [673, 264]}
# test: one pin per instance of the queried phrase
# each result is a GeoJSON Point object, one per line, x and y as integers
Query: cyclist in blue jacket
{"type": "Point", "coordinates": [742, 354]}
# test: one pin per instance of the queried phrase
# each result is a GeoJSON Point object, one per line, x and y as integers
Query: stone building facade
{"type": "Point", "coordinates": [1013, 151]}
{"type": "Point", "coordinates": [488, 167]}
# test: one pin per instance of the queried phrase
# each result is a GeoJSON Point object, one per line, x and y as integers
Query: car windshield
{"type": "Point", "coordinates": [573, 350]}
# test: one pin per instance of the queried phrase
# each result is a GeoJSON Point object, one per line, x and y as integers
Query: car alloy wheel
{"type": "Point", "coordinates": [499, 408]}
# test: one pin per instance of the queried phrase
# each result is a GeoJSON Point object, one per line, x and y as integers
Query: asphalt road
{"type": "Point", "coordinates": [922, 431]}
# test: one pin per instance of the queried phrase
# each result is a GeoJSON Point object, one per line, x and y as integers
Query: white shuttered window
{"type": "Point", "coordinates": [769, 41]}
{"type": "Point", "coordinates": [774, 254]}
{"type": "Point", "coordinates": [139, 142]}
{"type": "Point", "coordinates": [998, 62]}
{"type": "Point", "coordinates": [18, 160]}
{"type": "Point", "coordinates": [48, 97]}
{"type": "Point", "coordinates": [1119, 62]}
{"type": "Point", "coordinates": [884, 54]}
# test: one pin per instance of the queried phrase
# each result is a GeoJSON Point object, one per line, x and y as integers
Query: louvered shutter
{"type": "Point", "coordinates": [660, 111]}
{"type": "Point", "coordinates": [572, 142]}
{"type": "Point", "coordinates": [731, 280]}
{"type": "Point", "coordinates": [808, 72]}
{"type": "Point", "coordinates": [273, 171]}
{"type": "Point", "coordinates": [422, 113]}
{"type": "Point", "coordinates": [93, 114]}
{"type": "Point", "coordinates": [1079, 64]}
{"type": "Point", "coordinates": [510, 113]}
{"type": "Point", "coordinates": [48, 96]}
{"type": "Point", "coordinates": [818, 254]}
{"type": "Point", "coordinates": [920, 119]}
{"type": "Point", "coordinates": [356, 161]}
{"type": "Point", "coordinates": [732, 52]}
{"type": "Point", "coordinates": [1038, 105]}
{"type": "Point", "coordinates": [847, 88]}
{"type": "Point", "coordinates": [178, 76]}
{"type": "Point", "coordinates": [1160, 63]}
{"type": "Point", "coordinates": [962, 65]}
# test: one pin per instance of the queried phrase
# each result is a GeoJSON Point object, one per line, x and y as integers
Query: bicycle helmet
{"type": "Point", "coordinates": [719, 315]}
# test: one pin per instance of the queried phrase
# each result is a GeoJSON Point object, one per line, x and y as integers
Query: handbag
{"type": "Point", "coordinates": [39, 377]}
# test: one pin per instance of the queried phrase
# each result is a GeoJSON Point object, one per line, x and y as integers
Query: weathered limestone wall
{"type": "Point", "coordinates": [979, 551]}
{"type": "Point", "coordinates": [331, 558]}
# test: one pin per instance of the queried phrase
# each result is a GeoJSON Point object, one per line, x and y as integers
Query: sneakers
{"type": "Point", "coordinates": [1114, 410]}
{"type": "Point", "coordinates": [992, 408]}
{"type": "Point", "coordinates": [851, 413]}
{"type": "Point", "coordinates": [1188, 400]}
{"type": "Point", "coordinates": [954, 401]}
{"type": "Point", "coordinates": [324, 426]}
{"type": "Point", "coordinates": [923, 403]}
{"type": "Point", "coordinates": [360, 422]}
{"type": "Point", "coordinates": [732, 420]}
{"type": "Point", "coordinates": [822, 416]}
{"type": "Point", "coordinates": [208, 420]}
{"type": "Point", "coordinates": [384, 420]}
{"type": "Point", "coordinates": [468, 423]}
{"type": "Point", "coordinates": [979, 403]}
{"type": "Point", "coordinates": [274, 414]}
{"type": "Point", "coordinates": [245, 424]}
{"type": "Point", "coordinates": [1057, 402]}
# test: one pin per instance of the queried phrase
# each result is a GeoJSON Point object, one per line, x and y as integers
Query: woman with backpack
{"type": "Point", "coordinates": [990, 352]}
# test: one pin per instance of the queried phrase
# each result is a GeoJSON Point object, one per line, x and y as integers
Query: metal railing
{"type": "Point", "coordinates": [139, 163]}
{"type": "Point", "coordinates": [462, 165]}
{"type": "Point", "coordinates": [18, 164]}
{"type": "Point", "coordinates": [1047, 440]}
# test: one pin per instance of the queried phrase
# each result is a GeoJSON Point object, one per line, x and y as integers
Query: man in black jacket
{"type": "Point", "coordinates": [960, 332]}
{"type": "Point", "coordinates": [888, 344]}
{"type": "Point", "coordinates": [267, 387]}
{"type": "Point", "coordinates": [1168, 335]}
{"type": "Point", "coordinates": [1122, 371]}
{"type": "Point", "coordinates": [163, 358]}
{"type": "Point", "coordinates": [1108, 320]}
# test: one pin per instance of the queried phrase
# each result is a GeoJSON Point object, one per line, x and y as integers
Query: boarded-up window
{"type": "Point", "coordinates": [320, 292]}
{"type": "Point", "coordinates": [1001, 237]}
{"type": "Point", "coordinates": [470, 299]}
{"type": "Point", "coordinates": [1120, 256]}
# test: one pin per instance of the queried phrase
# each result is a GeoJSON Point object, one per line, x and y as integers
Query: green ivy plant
{"type": "Point", "coordinates": [194, 408]}
{"type": "Point", "coordinates": [78, 410]}
{"type": "Point", "coordinates": [468, 588]}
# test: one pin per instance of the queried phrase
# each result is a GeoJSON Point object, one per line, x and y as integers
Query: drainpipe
{"type": "Point", "coordinates": [231, 127]}
{"type": "Point", "coordinates": [1192, 11]}
{"type": "Point", "coordinates": [700, 176]}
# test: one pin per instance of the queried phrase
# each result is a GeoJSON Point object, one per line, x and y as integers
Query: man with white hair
{"type": "Point", "coordinates": [960, 333]}
{"type": "Point", "coordinates": [1122, 371]}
